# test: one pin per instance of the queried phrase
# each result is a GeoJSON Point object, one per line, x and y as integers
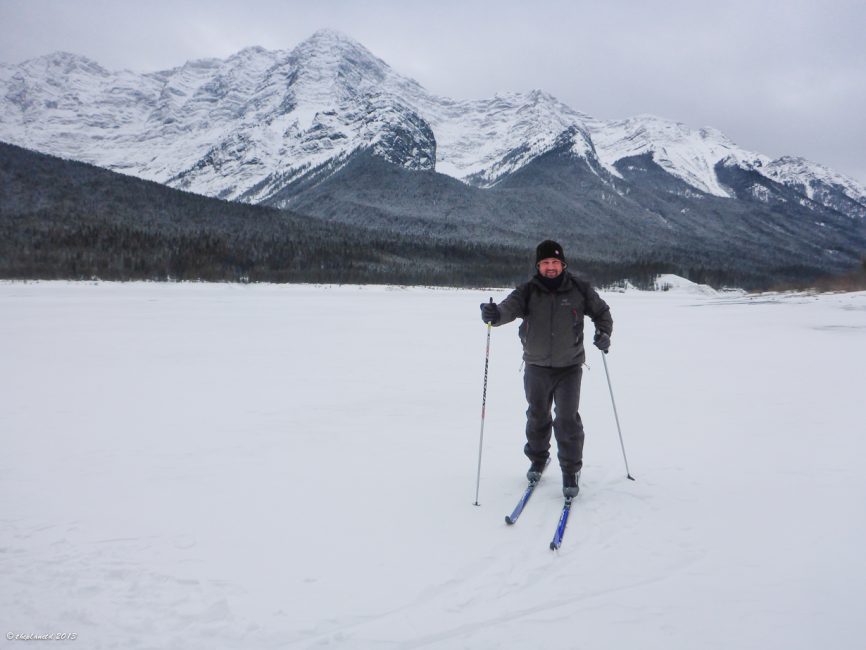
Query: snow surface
{"type": "Point", "coordinates": [263, 466]}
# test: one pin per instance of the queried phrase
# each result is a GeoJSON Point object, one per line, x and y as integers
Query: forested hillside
{"type": "Point", "coordinates": [62, 219]}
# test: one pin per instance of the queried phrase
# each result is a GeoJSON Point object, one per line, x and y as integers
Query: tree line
{"type": "Point", "coordinates": [67, 220]}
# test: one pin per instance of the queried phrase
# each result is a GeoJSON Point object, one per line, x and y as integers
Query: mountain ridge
{"type": "Point", "coordinates": [312, 83]}
{"type": "Point", "coordinates": [298, 129]}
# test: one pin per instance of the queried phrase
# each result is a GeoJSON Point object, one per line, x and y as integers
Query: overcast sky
{"type": "Point", "coordinates": [778, 77]}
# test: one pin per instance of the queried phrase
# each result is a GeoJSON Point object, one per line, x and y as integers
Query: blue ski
{"type": "Point", "coordinates": [560, 527]}
{"type": "Point", "coordinates": [512, 519]}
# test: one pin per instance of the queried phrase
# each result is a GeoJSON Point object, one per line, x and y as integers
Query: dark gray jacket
{"type": "Point", "coordinates": [552, 328]}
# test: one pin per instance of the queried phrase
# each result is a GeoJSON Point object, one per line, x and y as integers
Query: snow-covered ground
{"type": "Point", "coordinates": [222, 466]}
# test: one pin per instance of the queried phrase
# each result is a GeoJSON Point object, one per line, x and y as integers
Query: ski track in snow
{"type": "Point", "coordinates": [224, 466]}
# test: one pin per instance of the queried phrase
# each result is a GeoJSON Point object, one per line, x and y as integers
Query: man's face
{"type": "Point", "coordinates": [550, 267]}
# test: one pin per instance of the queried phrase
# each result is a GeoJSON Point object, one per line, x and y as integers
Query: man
{"type": "Point", "coordinates": [553, 305]}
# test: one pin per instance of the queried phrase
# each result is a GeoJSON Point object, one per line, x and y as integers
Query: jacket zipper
{"type": "Point", "coordinates": [552, 324]}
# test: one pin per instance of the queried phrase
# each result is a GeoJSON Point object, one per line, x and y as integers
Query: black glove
{"type": "Point", "coordinates": [489, 312]}
{"type": "Point", "coordinates": [602, 341]}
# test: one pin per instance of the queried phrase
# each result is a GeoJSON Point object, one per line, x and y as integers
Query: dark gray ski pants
{"type": "Point", "coordinates": [544, 388]}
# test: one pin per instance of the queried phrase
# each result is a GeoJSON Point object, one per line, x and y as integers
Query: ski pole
{"type": "Point", "coordinates": [483, 409]}
{"type": "Point", "coordinates": [613, 402]}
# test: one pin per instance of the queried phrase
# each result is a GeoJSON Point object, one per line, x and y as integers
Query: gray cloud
{"type": "Point", "coordinates": [780, 77]}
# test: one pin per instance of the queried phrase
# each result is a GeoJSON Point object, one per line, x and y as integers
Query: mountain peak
{"type": "Point", "coordinates": [329, 35]}
{"type": "Point", "coordinates": [331, 43]}
{"type": "Point", "coordinates": [330, 66]}
{"type": "Point", "coordinates": [65, 63]}
{"type": "Point", "coordinates": [809, 175]}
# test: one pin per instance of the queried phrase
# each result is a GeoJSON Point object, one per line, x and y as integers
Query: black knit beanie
{"type": "Point", "coordinates": [549, 248]}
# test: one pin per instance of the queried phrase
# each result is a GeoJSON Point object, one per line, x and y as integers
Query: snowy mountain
{"type": "Point", "coordinates": [688, 154]}
{"type": "Point", "coordinates": [230, 128]}
{"type": "Point", "coordinates": [331, 131]}
{"type": "Point", "coordinates": [819, 184]}
{"type": "Point", "coordinates": [250, 125]}
{"type": "Point", "coordinates": [481, 142]}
